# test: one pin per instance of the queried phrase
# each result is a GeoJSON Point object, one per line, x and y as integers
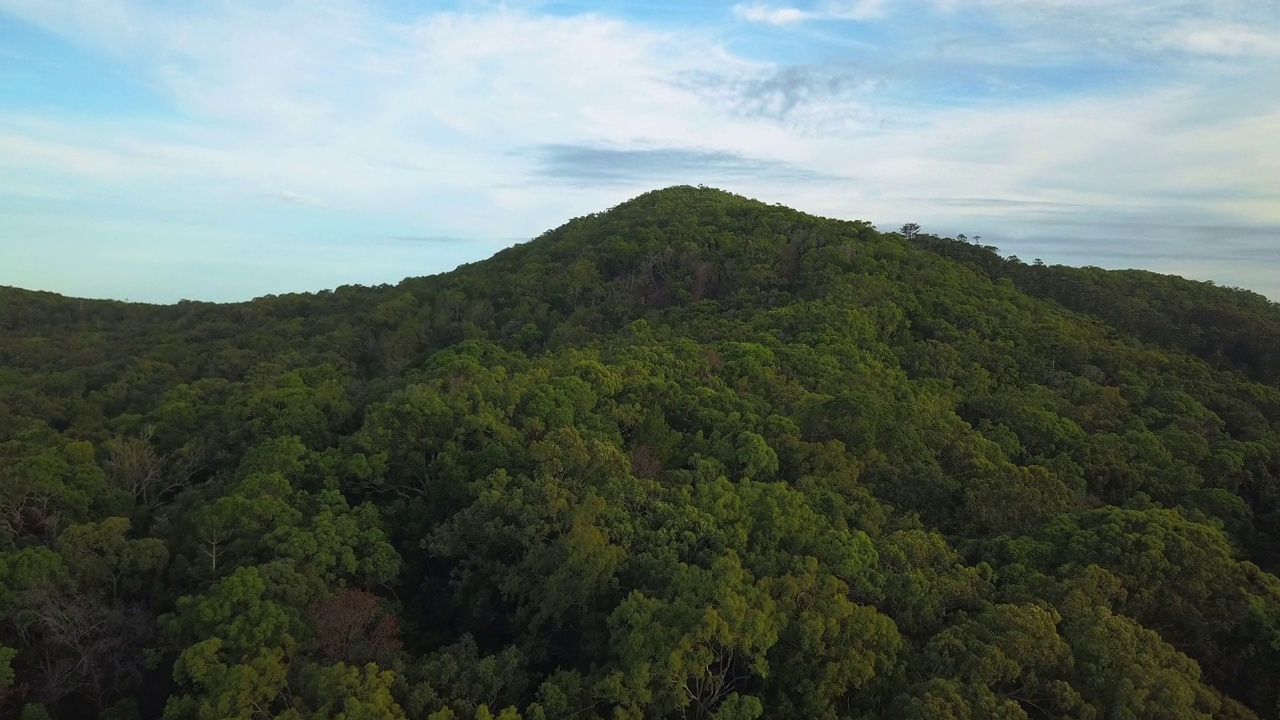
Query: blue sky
{"type": "Point", "coordinates": [225, 150]}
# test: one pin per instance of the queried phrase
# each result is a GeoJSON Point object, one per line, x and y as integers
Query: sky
{"type": "Point", "coordinates": [219, 150]}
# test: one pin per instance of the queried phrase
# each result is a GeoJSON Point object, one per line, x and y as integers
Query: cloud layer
{"type": "Point", "coordinates": [311, 132]}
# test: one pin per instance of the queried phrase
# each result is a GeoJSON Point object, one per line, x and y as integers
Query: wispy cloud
{"type": "Point", "coordinates": [806, 98]}
{"type": "Point", "coordinates": [758, 12]}
{"type": "Point", "coordinates": [294, 198]}
{"type": "Point", "coordinates": [829, 10]}
{"type": "Point", "coordinates": [1221, 39]}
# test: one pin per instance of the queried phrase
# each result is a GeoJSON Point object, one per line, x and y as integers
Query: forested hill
{"type": "Point", "coordinates": [1229, 327]}
{"type": "Point", "coordinates": [693, 457]}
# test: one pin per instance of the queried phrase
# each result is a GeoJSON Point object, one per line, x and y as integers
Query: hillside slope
{"type": "Point", "coordinates": [1229, 327]}
{"type": "Point", "coordinates": [695, 456]}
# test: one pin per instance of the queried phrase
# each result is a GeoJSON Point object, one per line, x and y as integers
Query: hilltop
{"type": "Point", "coordinates": [693, 456]}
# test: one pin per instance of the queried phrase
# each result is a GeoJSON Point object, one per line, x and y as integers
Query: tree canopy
{"type": "Point", "coordinates": [692, 457]}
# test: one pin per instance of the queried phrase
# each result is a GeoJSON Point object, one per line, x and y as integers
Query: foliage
{"type": "Point", "coordinates": [693, 457]}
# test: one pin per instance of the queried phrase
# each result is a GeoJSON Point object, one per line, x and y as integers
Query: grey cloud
{"type": "Point", "coordinates": [596, 165]}
{"type": "Point", "coordinates": [1191, 243]}
{"type": "Point", "coordinates": [293, 198]}
{"type": "Point", "coordinates": [1133, 239]}
{"type": "Point", "coordinates": [785, 92]}
{"type": "Point", "coordinates": [1229, 254]}
{"type": "Point", "coordinates": [430, 239]}
{"type": "Point", "coordinates": [1046, 205]}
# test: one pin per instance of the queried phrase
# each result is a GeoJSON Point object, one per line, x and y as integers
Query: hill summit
{"type": "Point", "coordinates": [696, 456]}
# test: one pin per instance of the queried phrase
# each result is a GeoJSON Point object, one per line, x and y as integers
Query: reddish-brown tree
{"type": "Point", "coordinates": [352, 627]}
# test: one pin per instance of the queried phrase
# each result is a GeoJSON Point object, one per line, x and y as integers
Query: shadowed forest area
{"type": "Point", "coordinates": [693, 457]}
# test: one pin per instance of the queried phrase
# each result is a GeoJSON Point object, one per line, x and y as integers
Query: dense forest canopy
{"type": "Point", "coordinates": [693, 457]}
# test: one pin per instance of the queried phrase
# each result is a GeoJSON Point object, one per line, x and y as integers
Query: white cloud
{"type": "Point", "coordinates": [23, 150]}
{"type": "Point", "coordinates": [1227, 40]}
{"type": "Point", "coordinates": [831, 10]}
{"type": "Point", "coordinates": [771, 15]}
{"type": "Point", "coordinates": [1038, 31]}
{"type": "Point", "coordinates": [329, 100]}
